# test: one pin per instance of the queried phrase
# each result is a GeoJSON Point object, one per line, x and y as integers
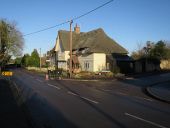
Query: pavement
{"type": "Point", "coordinates": [160, 91]}
{"type": "Point", "coordinates": [11, 114]}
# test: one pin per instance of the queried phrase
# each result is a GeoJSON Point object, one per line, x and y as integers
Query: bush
{"type": "Point", "coordinates": [116, 70]}
{"type": "Point", "coordinates": [109, 75]}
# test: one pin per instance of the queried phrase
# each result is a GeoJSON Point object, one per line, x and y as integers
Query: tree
{"type": "Point", "coordinates": [139, 53]}
{"type": "Point", "coordinates": [11, 41]}
{"type": "Point", "coordinates": [3, 40]}
{"type": "Point", "coordinates": [18, 60]}
{"type": "Point", "coordinates": [34, 59]}
{"type": "Point", "coordinates": [144, 51]}
{"type": "Point", "coordinates": [25, 60]}
{"type": "Point", "coordinates": [160, 51]}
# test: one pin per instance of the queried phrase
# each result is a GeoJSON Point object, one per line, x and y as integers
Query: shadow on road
{"type": "Point", "coordinates": [107, 116]}
{"type": "Point", "coordinates": [11, 114]}
{"type": "Point", "coordinates": [42, 112]}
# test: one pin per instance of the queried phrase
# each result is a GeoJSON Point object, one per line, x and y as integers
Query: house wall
{"type": "Point", "coordinates": [52, 61]}
{"type": "Point", "coordinates": [125, 67]}
{"type": "Point", "coordinates": [145, 66]}
{"type": "Point", "coordinates": [86, 62]}
{"type": "Point", "coordinates": [62, 65]}
{"type": "Point", "coordinates": [93, 62]}
{"type": "Point", "coordinates": [61, 55]}
{"type": "Point", "coordinates": [111, 62]}
{"type": "Point", "coordinates": [66, 55]}
{"type": "Point", "coordinates": [99, 61]}
{"type": "Point", "coordinates": [138, 67]}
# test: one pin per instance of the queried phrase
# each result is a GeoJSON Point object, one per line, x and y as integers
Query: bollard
{"type": "Point", "coordinates": [46, 77]}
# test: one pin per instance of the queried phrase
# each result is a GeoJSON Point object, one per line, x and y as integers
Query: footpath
{"type": "Point", "coordinates": [160, 91]}
{"type": "Point", "coordinates": [158, 86]}
{"type": "Point", "coordinates": [11, 114]}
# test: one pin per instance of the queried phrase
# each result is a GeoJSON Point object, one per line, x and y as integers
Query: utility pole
{"type": "Point", "coordinates": [0, 50]}
{"type": "Point", "coordinates": [70, 71]}
{"type": "Point", "coordinates": [40, 59]}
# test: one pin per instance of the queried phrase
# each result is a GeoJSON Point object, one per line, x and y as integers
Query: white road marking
{"type": "Point", "coordinates": [39, 80]}
{"type": "Point", "coordinates": [121, 93]}
{"type": "Point", "coordinates": [129, 78]}
{"type": "Point", "coordinates": [72, 93]}
{"type": "Point", "coordinates": [152, 123]}
{"type": "Point", "coordinates": [144, 98]}
{"type": "Point", "coordinates": [53, 86]}
{"type": "Point", "coordinates": [93, 101]}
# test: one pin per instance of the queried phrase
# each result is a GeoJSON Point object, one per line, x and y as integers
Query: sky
{"type": "Point", "coordinates": [128, 22]}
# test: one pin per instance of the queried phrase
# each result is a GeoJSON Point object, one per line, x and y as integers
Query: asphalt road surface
{"type": "Point", "coordinates": [91, 104]}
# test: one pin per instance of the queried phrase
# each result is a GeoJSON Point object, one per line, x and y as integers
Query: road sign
{"type": "Point", "coordinates": [7, 73]}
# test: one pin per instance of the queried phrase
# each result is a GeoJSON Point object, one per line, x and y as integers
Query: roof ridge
{"type": "Point", "coordinates": [98, 29]}
{"type": "Point", "coordinates": [96, 39]}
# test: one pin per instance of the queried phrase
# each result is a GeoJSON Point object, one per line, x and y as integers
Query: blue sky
{"type": "Point", "coordinates": [128, 22]}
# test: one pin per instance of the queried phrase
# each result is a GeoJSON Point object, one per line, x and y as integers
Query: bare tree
{"type": "Point", "coordinates": [11, 40]}
{"type": "Point", "coordinates": [139, 52]}
{"type": "Point", "coordinates": [167, 44]}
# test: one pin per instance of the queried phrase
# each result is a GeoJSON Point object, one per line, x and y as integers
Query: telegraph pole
{"type": "Point", "coordinates": [70, 71]}
{"type": "Point", "coordinates": [0, 49]}
{"type": "Point", "coordinates": [40, 59]}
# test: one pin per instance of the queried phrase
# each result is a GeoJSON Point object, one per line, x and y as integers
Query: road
{"type": "Point", "coordinates": [91, 104]}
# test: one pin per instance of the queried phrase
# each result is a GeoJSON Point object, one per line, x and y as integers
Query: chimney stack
{"type": "Point", "coordinates": [77, 29]}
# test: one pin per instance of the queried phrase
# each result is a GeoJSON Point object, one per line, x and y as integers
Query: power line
{"type": "Point", "coordinates": [75, 18]}
{"type": "Point", "coordinates": [78, 17]}
{"type": "Point", "coordinates": [46, 28]}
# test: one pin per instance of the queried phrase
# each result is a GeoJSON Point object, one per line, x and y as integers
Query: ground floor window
{"type": "Point", "coordinates": [62, 65]}
{"type": "Point", "coordinates": [86, 65]}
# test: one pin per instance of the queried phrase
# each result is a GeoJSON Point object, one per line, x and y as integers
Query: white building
{"type": "Point", "coordinates": [89, 50]}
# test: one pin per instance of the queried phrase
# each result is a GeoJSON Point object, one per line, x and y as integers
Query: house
{"type": "Point", "coordinates": [90, 50]}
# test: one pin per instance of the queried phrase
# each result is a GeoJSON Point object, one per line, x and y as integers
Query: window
{"type": "Point", "coordinates": [86, 65]}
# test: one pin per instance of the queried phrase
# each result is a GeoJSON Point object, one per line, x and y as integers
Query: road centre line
{"type": "Point", "coordinates": [85, 98]}
{"type": "Point", "coordinates": [121, 93]}
{"type": "Point", "coordinates": [147, 121]}
{"type": "Point", "coordinates": [144, 98]}
{"type": "Point", "coordinates": [39, 80]}
{"type": "Point", "coordinates": [53, 86]}
{"type": "Point", "coordinates": [93, 101]}
{"type": "Point", "coordinates": [72, 93]}
{"type": "Point", "coordinates": [129, 78]}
